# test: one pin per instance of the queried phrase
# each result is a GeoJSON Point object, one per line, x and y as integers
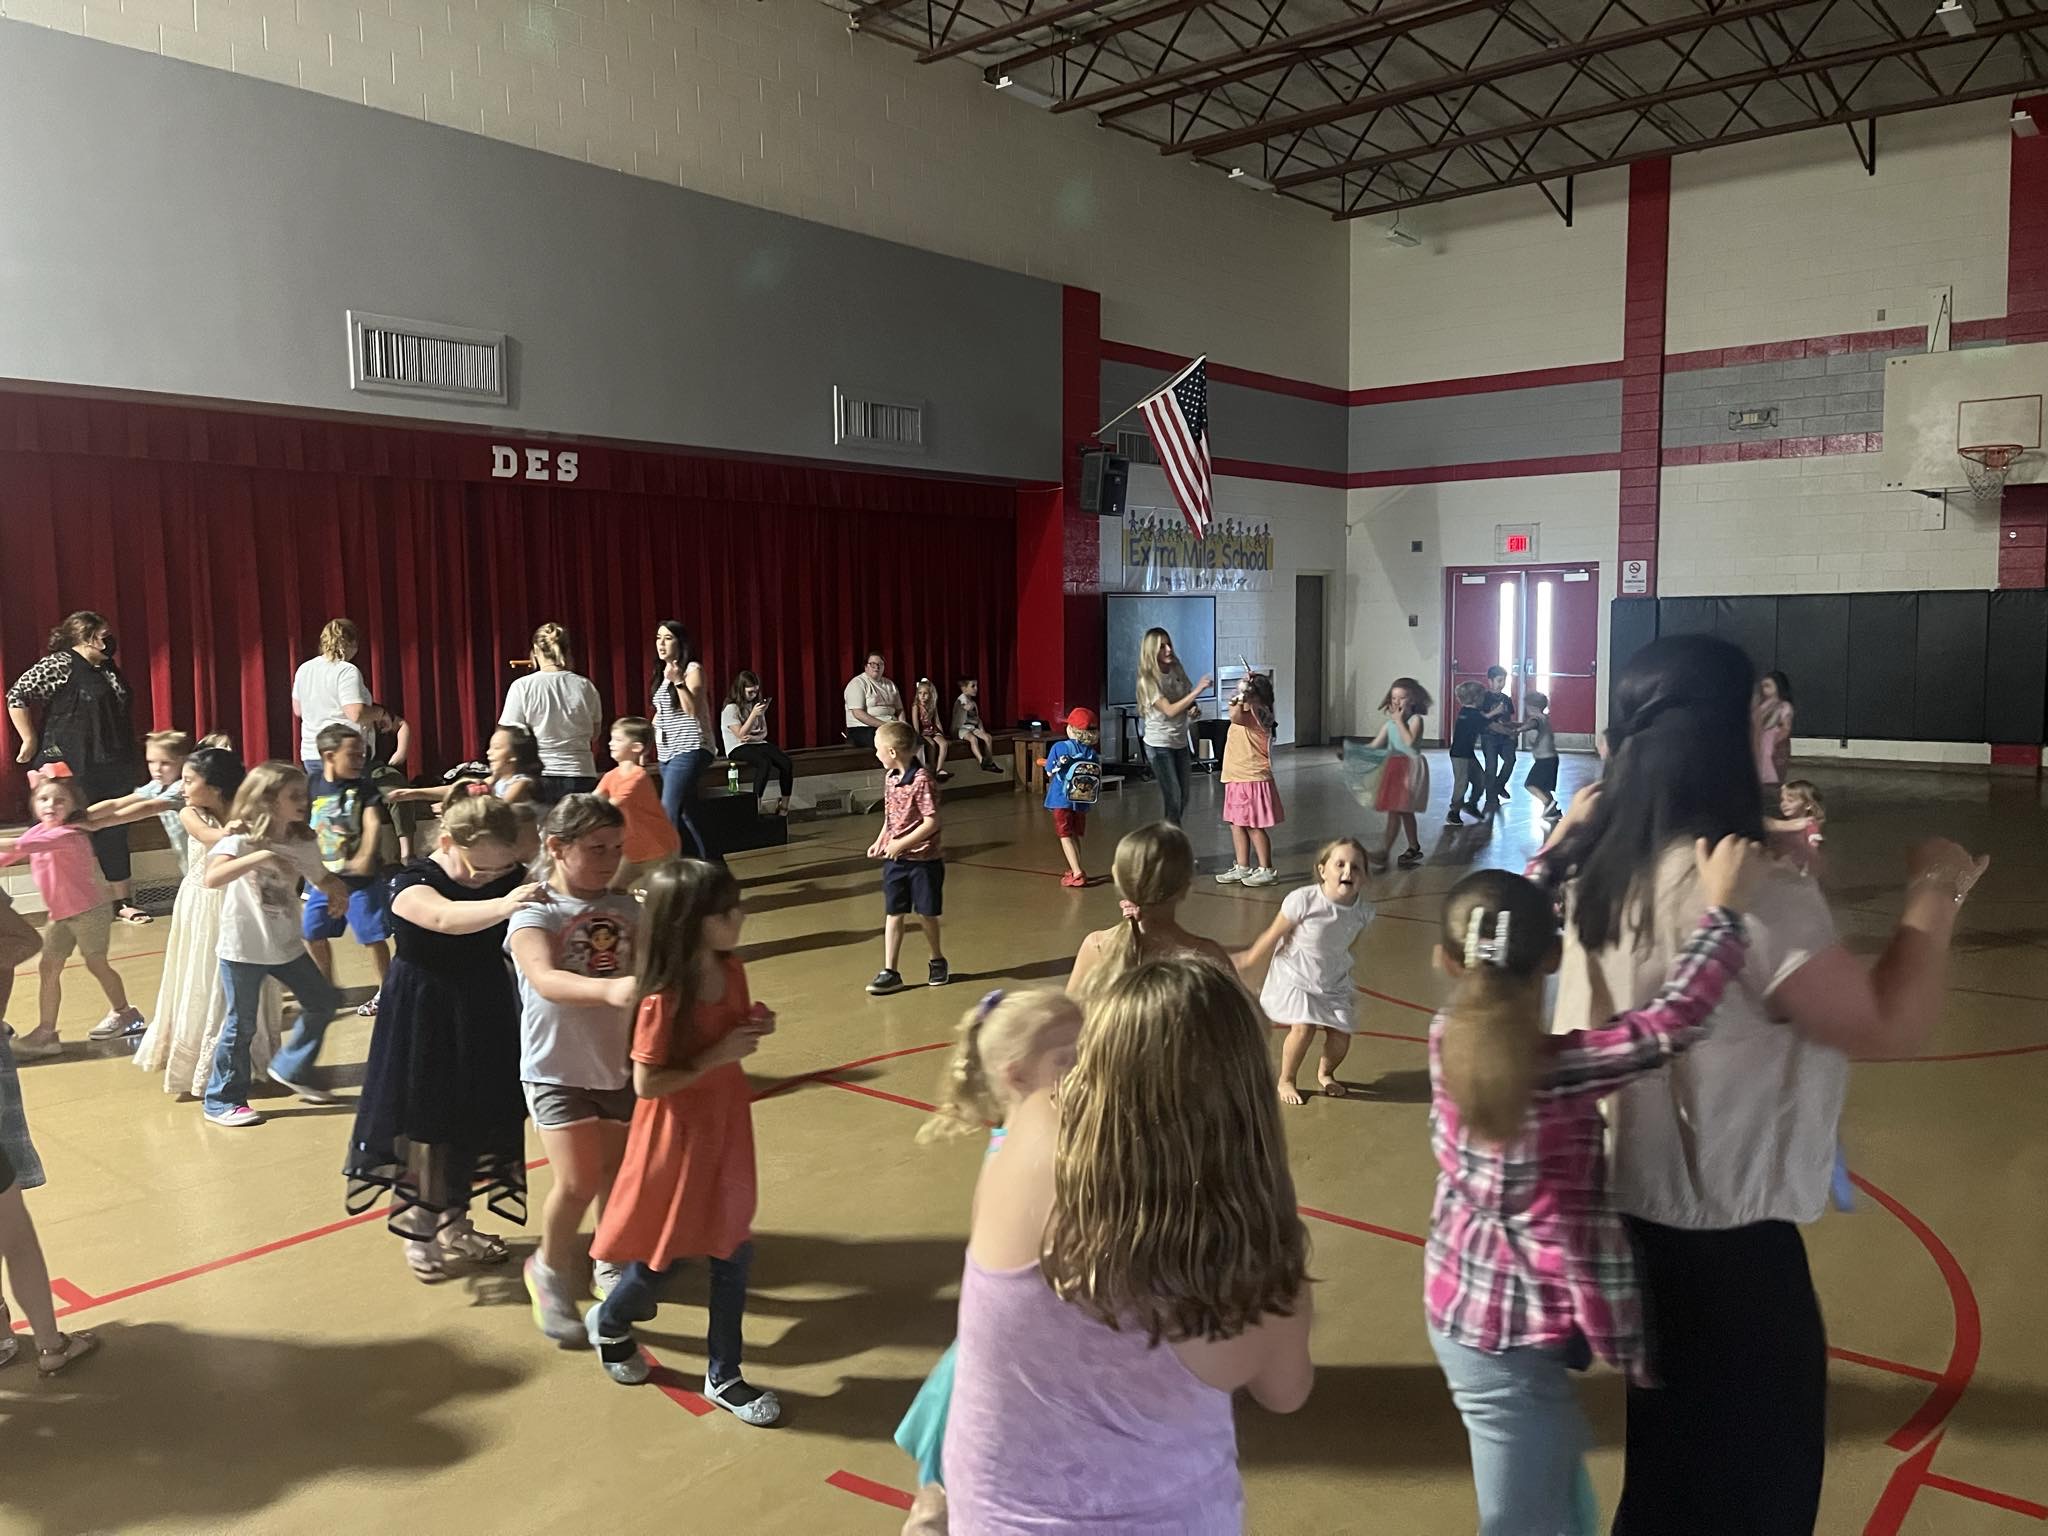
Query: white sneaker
{"type": "Point", "coordinates": [1233, 875]}
{"type": "Point", "coordinates": [234, 1118]}
{"type": "Point", "coordinates": [603, 1276]}
{"type": "Point", "coordinates": [305, 1091]}
{"type": "Point", "coordinates": [122, 1021]}
{"type": "Point", "coordinates": [1265, 876]}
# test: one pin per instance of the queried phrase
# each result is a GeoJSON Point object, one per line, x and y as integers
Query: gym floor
{"type": "Point", "coordinates": [270, 1365]}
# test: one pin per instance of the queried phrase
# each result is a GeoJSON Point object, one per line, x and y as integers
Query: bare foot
{"type": "Point", "coordinates": [1331, 1086]}
{"type": "Point", "coordinates": [1289, 1094]}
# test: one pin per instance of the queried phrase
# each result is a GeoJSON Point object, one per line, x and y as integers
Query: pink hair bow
{"type": "Point", "coordinates": [1130, 909]}
{"type": "Point", "coordinates": [51, 774]}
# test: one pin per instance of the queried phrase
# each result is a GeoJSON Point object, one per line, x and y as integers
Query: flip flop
{"type": "Point", "coordinates": [76, 1346]}
{"type": "Point", "coordinates": [134, 916]}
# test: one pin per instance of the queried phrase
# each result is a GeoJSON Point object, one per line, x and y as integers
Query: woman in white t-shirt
{"type": "Point", "coordinates": [1168, 704]}
{"type": "Point", "coordinates": [561, 707]}
{"type": "Point", "coordinates": [329, 690]}
{"type": "Point", "coordinates": [872, 701]}
{"type": "Point", "coordinates": [1717, 1162]}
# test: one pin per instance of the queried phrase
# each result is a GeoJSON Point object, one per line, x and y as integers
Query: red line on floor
{"type": "Point", "coordinates": [789, 1084]}
{"type": "Point", "coordinates": [70, 1295]}
{"type": "Point", "coordinates": [876, 1093]}
{"type": "Point", "coordinates": [1989, 1496]}
{"type": "Point", "coordinates": [881, 1493]}
{"type": "Point", "coordinates": [1969, 1328]}
{"type": "Point", "coordinates": [1362, 1226]}
{"type": "Point", "coordinates": [1906, 1480]}
{"type": "Point", "coordinates": [1879, 1363]}
{"type": "Point", "coordinates": [2010, 1050]}
{"type": "Point", "coordinates": [1399, 1002]}
{"type": "Point", "coordinates": [669, 1384]}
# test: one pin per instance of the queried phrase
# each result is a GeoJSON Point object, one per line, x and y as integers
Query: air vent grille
{"type": "Point", "coordinates": [425, 360]}
{"type": "Point", "coordinates": [865, 421]}
{"type": "Point", "coordinates": [1137, 447]}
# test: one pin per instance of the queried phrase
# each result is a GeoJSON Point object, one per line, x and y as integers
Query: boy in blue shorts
{"type": "Point", "coordinates": [913, 868]}
{"type": "Point", "coordinates": [347, 817]}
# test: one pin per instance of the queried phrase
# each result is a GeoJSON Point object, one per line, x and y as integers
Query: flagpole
{"type": "Point", "coordinates": [1169, 384]}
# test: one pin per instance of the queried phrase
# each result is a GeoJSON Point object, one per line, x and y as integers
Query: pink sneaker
{"type": "Point", "coordinates": [234, 1118]}
{"type": "Point", "coordinates": [1072, 881]}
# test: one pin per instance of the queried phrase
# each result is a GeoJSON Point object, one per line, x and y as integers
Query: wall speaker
{"type": "Point", "coordinates": [1105, 480]}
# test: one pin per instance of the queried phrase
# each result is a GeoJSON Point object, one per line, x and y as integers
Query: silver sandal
{"type": "Point", "coordinates": [464, 1241]}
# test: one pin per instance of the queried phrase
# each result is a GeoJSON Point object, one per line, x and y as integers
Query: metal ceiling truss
{"type": "Point", "coordinates": [1362, 107]}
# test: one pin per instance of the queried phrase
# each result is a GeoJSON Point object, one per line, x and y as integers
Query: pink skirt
{"type": "Point", "coordinates": [1253, 805]}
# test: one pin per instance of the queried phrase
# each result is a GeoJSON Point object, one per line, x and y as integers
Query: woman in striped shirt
{"type": "Point", "coordinates": [682, 726]}
{"type": "Point", "coordinates": [1528, 1273]}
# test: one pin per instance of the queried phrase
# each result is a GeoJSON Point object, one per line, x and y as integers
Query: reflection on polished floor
{"type": "Point", "coordinates": [272, 1367]}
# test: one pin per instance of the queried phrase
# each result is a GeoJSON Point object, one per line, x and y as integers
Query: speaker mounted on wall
{"type": "Point", "coordinates": [1105, 480]}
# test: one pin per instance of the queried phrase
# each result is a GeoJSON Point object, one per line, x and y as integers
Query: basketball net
{"type": "Point", "coordinates": [1987, 465]}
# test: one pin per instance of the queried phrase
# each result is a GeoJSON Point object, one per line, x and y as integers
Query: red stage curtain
{"type": "Point", "coordinates": [218, 544]}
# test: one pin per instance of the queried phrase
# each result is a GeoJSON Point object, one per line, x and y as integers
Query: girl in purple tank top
{"type": "Point", "coordinates": [1096, 1364]}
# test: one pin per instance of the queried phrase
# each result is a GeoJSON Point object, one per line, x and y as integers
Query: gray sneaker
{"type": "Point", "coordinates": [621, 1358]}
{"type": "Point", "coordinates": [1263, 876]}
{"type": "Point", "coordinates": [553, 1313]}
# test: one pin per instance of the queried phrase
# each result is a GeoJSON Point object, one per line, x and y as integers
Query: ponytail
{"type": "Point", "coordinates": [999, 1033]}
{"type": "Point", "coordinates": [1500, 933]}
{"type": "Point", "coordinates": [1154, 867]}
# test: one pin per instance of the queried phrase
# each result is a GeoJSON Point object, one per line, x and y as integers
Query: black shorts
{"type": "Point", "coordinates": [6, 1172]}
{"type": "Point", "coordinates": [1542, 774]}
{"type": "Point", "coordinates": [914, 885]}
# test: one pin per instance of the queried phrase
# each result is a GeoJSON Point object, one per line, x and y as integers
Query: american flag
{"type": "Point", "coordinates": [1178, 418]}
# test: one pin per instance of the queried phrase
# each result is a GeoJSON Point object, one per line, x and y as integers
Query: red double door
{"type": "Point", "coordinates": [1539, 622]}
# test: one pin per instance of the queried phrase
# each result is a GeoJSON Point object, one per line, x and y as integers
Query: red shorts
{"type": "Point", "coordinates": [1070, 823]}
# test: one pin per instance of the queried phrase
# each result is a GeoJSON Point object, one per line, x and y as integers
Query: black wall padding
{"type": "Point", "coordinates": [1884, 648]}
{"type": "Point", "coordinates": [1752, 623]}
{"type": "Point", "coordinates": [1631, 625]}
{"type": "Point", "coordinates": [1686, 615]}
{"type": "Point", "coordinates": [2016, 671]}
{"type": "Point", "coordinates": [1948, 704]}
{"type": "Point", "coordinates": [1813, 652]}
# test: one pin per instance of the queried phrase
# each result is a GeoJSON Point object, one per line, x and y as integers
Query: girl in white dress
{"type": "Point", "coordinates": [1308, 986]}
{"type": "Point", "coordinates": [191, 1005]}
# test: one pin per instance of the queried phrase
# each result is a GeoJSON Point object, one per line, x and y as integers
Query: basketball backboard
{"type": "Point", "coordinates": [1938, 402]}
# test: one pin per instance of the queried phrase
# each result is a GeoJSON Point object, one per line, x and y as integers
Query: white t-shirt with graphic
{"type": "Point", "coordinates": [578, 1046]}
{"type": "Point", "coordinates": [259, 912]}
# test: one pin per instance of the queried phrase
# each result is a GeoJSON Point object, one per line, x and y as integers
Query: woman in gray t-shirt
{"type": "Point", "coordinates": [1168, 704]}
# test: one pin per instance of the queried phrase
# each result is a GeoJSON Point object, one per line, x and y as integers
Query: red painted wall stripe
{"type": "Point", "coordinates": [2023, 510]}
{"type": "Point", "coordinates": [1642, 362]}
{"type": "Point", "coordinates": [1500, 469]}
{"type": "Point", "coordinates": [1222, 373]}
{"type": "Point", "coordinates": [1486, 383]}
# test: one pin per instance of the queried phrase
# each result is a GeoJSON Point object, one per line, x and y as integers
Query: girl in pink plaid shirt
{"type": "Point", "coordinates": [1528, 1273]}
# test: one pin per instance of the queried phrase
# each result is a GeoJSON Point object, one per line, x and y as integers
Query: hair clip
{"type": "Point", "coordinates": [1130, 909]}
{"type": "Point", "coordinates": [1482, 950]}
{"type": "Point", "coordinates": [986, 1006]}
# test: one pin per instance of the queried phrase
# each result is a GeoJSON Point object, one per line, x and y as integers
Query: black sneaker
{"type": "Point", "coordinates": [1410, 859]}
{"type": "Point", "coordinates": [885, 982]}
{"type": "Point", "coordinates": [938, 974]}
{"type": "Point", "coordinates": [1454, 819]}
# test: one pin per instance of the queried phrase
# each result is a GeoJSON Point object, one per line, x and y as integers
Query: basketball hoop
{"type": "Point", "coordinates": [1987, 465]}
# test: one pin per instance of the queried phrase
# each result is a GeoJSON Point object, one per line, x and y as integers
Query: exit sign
{"type": "Point", "coordinates": [1514, 541]}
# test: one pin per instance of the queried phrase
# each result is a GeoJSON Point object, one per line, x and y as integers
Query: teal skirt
{"type": "Point", "coordinates": [922, 1434]}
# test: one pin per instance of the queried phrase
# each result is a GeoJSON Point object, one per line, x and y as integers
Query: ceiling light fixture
{"type": "Point", "coordinates": [1955, 18]}
{"type": "Point", "coordinates": [1022, 92]}
{"type": "Point", "coordinates": [1396, 235]}
{"type": "Point", "coordinates": [1245, 178]}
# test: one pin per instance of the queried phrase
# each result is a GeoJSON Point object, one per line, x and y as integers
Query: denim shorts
{"type": "Point", "coordinates": [366, 917]}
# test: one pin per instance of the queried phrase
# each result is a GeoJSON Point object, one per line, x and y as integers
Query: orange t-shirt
{"type": "Point", "coordinates": [650, 835]}
{"type": "Point", "coordinates": [685, 1188]}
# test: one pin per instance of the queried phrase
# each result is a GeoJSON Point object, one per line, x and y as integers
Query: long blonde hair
{"type": "Point", "coordinates": [1173, 1207]}
{"type": "Point", "coordinates": [551, 644]}
{"type": "Point", "coordinates": [1154, 866]}
{"type": "Point", "coordinates": [997, 1035]}
{"type": "Point", "coordinates": [1154, 684]}
{"type": "Point", "coordinates": [338, 637]}
{"type": "Point", "coordinates": [1502, 932]}
{"type": "Point", "coordinates": [254, 813]}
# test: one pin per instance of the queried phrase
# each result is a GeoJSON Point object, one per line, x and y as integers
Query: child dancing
{"type": "Point", "coordinates": [1073, 780]}
{"type": "Point", "coordinates": [1012, 1045]}
{"type": "Point", "coordinates": [686, 1187]}
{"type": "Point", "coordinates": [1153, 868]}
{"type": "Point", "coordinates": [21, 1252]}
{"type": "Point", "coordinates": [1251, 805]}
{"type": "Point", "coordinates": [1528, 1272]}
{"type": "Point", "coordinates": [1308, 985]}
{"type": "Point", "coordinates": [441, 1121]}
{"type": "Point", "coordinates": [574, 953]}
{"type": "Point", "coordinates": [60, 860]}
{"type": "Point", "coordinates": [1404, 783]}
{"type": "Point", "coordinates": [192, 1002]}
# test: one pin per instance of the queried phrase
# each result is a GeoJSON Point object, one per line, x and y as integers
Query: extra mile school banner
{"type": "Point", "coordinates": [1161, 554]}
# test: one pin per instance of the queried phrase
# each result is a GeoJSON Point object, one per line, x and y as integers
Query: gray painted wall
{"type": "Point", "coordinates": [172, 228]}
{"type": "Point", "coordinates": [1814, 397]}
{"type": "Point", "coordinates": [1545, 422]}
{"type": "Point", "coordinates": [1253, 424]}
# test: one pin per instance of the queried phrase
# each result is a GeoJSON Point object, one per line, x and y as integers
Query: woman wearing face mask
{"type": "Point", "coordinates": [86, 726]}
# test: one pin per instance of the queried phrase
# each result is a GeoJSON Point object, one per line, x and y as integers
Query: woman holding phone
{"type": "Point", "coordinates": [744, 725]}
{"type": "Point", "coordinates": [682, 727]}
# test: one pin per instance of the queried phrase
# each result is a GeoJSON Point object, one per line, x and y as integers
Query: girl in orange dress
{"type": "Point", "coordinates": [685, 1188]}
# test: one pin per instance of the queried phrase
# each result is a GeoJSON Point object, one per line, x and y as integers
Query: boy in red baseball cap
{"type": "Point", "coordinates": [1073, 776]}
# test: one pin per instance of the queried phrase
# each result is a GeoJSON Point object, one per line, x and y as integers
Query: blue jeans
{"type": "Point", "coordinates": [1171, 767]}
{"type": "Point", "coordinates": [679, 776]}
{"type": "Point", "coordinates": [228, 1084]}
{"type": "Point", "coordinates": [636, 1296]}
{"type": "Point", "coordinates": [1528, 1439]}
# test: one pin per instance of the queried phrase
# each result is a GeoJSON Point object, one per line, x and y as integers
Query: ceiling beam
{"type": "Point", "coordinates": [1009, 29]}
{"type": "Point", "coordinates": [1832, 119]}
{"type": "Point", "coordinates": [1545, 58]}
{"type": "Point", "coordinates": [1391, 19]}
{"type": "Point", "coordinates": [1651, 99]}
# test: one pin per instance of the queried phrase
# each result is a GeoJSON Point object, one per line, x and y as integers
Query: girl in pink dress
{"type": "Point", "coordinates": [1771, 728]}
{"type": "Point", "coordinates": [1404, 782]}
